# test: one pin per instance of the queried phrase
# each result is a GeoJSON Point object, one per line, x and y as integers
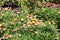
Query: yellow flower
{"type": "Point", "coordinates": [28, 16]}
{"type": "Point", "coordinates": [22, 19]}
{"type": "Point", "coordinates": [10, 35]}
{"type": "Point", "coordinates": [4, 29]}
{"type": "Point", "coordinates": [59, 12]}
{"type": "Point", "coordinates": [36, 32]}
{"type": "Point", "coordinates": [19, 22]}
{"type": "Point", "coordinates": [36, 24]}
{"type": "Point", "coordinates": [29, 22]}
{"type": "Point", "coordinates": [18, 12]}
{"type": "Point", "coordinates": [1, 25]}
{"type": "Point", "coordinates": [33, 22]}
{"type": "Point", "coordinates": [35, 19]}
{"type": "Point", "coordinates": [29, 25]}
{"type": "Point", "coordinates": [40, 20]}
{"type": "Point", "coordinates": [12, 23]}
{"type": "Point", "coordinates": [51, 22]}
{"type": "Point", "coordinates": [15, 19]}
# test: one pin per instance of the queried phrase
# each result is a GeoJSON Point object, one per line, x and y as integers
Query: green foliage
{"type": "Point", "coordinates": [1, 3]}
{"type": "Point", "coordinates": [47, 13]}
{"type": "Point", "coordinates": [33, 32]}
{"type": "Point", "coordinates": [33, 22]}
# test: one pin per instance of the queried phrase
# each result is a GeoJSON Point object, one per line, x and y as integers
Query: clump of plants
{"type": "Point", "coordinates": [28, 26]}
{"type": "Point", "coordinates": [31, 22]}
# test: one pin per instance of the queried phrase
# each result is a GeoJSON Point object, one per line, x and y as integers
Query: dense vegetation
{"type": "Point", "coordinates": [31, 22]}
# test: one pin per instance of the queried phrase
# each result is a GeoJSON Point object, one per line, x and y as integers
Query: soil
{"type": "Point", "coordinates": [16, 8]}
{"type": "Point", "coordinates": [52, 5]}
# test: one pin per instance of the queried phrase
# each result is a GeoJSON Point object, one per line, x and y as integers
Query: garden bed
{"type": "Point", "coordinates": [27, 20]}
